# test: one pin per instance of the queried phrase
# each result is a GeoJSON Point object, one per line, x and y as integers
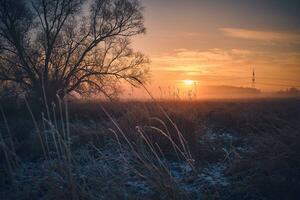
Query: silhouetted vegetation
{"type": "Point", "coordinates": [213, 149]}
{"type": "Point", "coordinates": [52, 48]}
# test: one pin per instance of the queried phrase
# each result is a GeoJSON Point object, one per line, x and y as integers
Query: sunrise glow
{"type": "Point", "coordinates": [189, 82]}
{"type": "Point", "coordinates": [215, 44]}
{"type": "Point", "coordinates": [150, 99]}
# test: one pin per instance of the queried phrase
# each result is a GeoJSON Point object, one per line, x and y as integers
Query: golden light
{"type": "Point", "coordinates": [188, 82]}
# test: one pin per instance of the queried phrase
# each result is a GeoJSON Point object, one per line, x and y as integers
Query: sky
{"type": "Point", "coordinates": [221, 42]}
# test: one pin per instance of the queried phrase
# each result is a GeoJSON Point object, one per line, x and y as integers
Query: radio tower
{"type": "Point", "coordinates": [253, 79]}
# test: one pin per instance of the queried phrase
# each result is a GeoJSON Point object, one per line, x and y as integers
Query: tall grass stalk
{"type": "Point", "coordinates": [159, 176]}
{"type": "Point", "coordinates": [182, 140]}
{"type": "Point", "coordinates": [6, 155]}
{"type": "Point", "coordinates": [37, 130]}
{"type": "Point", "coordinates": [10, 139]}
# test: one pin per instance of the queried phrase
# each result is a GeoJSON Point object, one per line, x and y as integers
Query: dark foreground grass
{"type": "Point", "coordinates": [212, 149]}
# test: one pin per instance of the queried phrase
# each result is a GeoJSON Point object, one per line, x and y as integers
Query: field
{"type": "Point", "coordinates": [209, 149]}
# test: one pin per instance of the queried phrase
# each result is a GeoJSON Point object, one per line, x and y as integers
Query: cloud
{"type": "Point", "coordinates": [190, 57]}
{"type": "Point", "coordinates": [225, 66]}
{"type": "Point", "coordinates": [196, 60]}
{"type": "Point", "coordinates": [223, 61]}
{"type": "Point", "coordinates": [271, 36]}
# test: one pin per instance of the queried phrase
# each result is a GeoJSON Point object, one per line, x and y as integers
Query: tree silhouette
{"type": "Point", "coordinates": [55, 47]}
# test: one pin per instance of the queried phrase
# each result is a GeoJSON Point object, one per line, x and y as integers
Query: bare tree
{"type": "Point", "coordinates": [55, 47]}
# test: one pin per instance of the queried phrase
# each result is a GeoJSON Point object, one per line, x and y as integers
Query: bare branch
{"type": "Point", "coordinates": [53, 46]}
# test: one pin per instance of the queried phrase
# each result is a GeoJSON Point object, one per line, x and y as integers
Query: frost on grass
{"type": "Point", "coordinates": [113, 171]}
{"type": "Point", "coordinates": [210, 176]}
{"type": "Point", "coordinates": [104, 173]}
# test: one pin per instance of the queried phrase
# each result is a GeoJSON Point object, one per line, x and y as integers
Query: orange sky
{"type": "Point", "coordinates": [220, 43]}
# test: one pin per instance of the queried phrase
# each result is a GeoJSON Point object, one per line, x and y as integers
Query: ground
{"type": "Point", "coordinates": [209, 149]}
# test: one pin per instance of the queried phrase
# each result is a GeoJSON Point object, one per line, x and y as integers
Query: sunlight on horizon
{"type": "Point", "coordinates": [222, 50]}
{"type": "Point", "coordinates": [189, 82]}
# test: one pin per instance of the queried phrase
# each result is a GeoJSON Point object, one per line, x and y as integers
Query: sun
{"type": "Point", "coordinates": [188, 82]}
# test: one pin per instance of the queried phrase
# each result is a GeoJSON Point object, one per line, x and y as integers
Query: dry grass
{"type": "Point", "coordinates": [233, 149]}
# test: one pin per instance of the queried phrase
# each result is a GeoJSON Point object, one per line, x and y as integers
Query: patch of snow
{"type": "Point", "coordinates": [138, 186]}
{"type": "Point", "coordinates": [179, 170]}
{"type": "Point", "coordinates": [214, 136]}
{"type": "Point", "coordinates": [213, 175]}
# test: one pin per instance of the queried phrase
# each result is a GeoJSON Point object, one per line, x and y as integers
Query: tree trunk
{"type": "Point", "coordinates": [48, 95]}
